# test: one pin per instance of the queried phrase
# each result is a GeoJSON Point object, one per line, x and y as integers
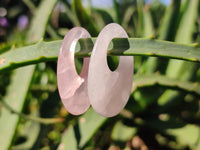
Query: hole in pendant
{"type": "Point", "coordinates": [84, 45]}
{"type": "Point", "coordinates": [78, 64]}
{"type": "Point", "coordinates": [116, 45]}
{"type": "Point", "coordinates": [113, 62]}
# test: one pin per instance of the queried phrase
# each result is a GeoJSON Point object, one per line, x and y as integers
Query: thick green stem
{"type": "Point", "coordinates": [48, 51]}
{"type": "Point", "coordinates": [164, 81]}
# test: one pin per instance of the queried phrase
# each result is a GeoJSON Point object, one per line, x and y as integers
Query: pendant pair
{"type": "Point", "coordinates": [105, 90]}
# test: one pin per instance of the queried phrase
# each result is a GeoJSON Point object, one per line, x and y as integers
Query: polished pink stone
{"type": "Point", "coordinates": [109, 91]}
{"type": "Point", "coordinates": [72, 87]}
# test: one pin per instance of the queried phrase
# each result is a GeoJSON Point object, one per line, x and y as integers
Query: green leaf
{"type": "Point", "coordinates": [17, 91]}
{"type": "Point", "coordinates": [161, 80]}
{"type": "Point", "coordinates": [187, 135]}
{"type": "Point", "coordinates": [166, 32]}
{"type": "Point", "coordinates": [40, 20]}
{"type": "Point", "coordinates": [4, 47]}
{"type": "Point", "coordinates": [15, 97]}
{"type": "Point", "coordinates": [140, 26]}
{"type": "Point", "coordinates": [85, 20]}
{"type": "Point", "coordinates": [102, 17]}
{"type": "Point", "coordinates": [30, 131]}
{"type": "Point", "coordinates": [148, 30]}
{"type": "Point", "coordinates": [77, 136]}
{"type": "Point", "coordinates": [48, 51]}
{"type": "Point", "coordinates": [128, 14]}
{"type": "Point", "coordinates": [148, 23]}
{"type": "Point", "coordinates": [176, 68]}
{"type": "Point", "coordinates": [72, 17]}
{"type": "Point", "coordinates": [122, 132]}
{"type": "Point", "coordinates": [14, 58]}
{"type": "Point", "coordinates": [187, 25]}
{"type": "Point", "coordinates": [117, 11]}
{"type": "Point", "coordinates": [168, 27]}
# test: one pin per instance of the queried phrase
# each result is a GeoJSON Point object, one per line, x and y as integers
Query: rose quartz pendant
{"type": "Point", "coordinates": [109, 91]}
{"type": "Point", "coordinates": [72, 87]}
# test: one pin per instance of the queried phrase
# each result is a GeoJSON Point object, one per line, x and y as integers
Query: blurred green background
{"type": "Point", "coordinates": [163, 111]}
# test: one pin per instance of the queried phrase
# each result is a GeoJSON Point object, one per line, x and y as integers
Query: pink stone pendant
{"type": "Point", "coordinates": [72, 87]}
{"type": "Point", "coordinates": [109, 91]}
